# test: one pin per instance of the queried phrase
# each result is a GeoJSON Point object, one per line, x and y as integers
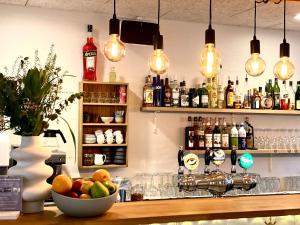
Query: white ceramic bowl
{"type": "Point", "coordinates": [107, 119]}
{"type": "Point", "coordinates": [84, 207]}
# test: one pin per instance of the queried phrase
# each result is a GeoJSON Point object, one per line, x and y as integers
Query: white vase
{"type": "Point", "coordinates": [31, 166]}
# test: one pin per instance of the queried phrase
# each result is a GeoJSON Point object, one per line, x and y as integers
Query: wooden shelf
{"type": "Point", "coordinates": [105, 124]}
{"type": "Point", "coordinates": [259, 151]}
{"type": "Point", "coordinates": [104, 83]}
{"type": "Point", "coordinates": [223, 111]}
{"type": "Point", "coordinates": [103, 145]}
{"type": "Point", "coordinates": [104, 166]}
{"type": "Point", "coordinates": [104, 104]}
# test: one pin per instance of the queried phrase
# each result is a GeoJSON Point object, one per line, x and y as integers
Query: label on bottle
{"type": "Point", "coordinates": [225, 141]}
{"type": "Point", "coordinates": [196, 101]}
{"type": "Point", "coordinates": [230, 99]}
{"type": "Point", "coordinates": [148, 96]}
{"type": "Point", "coordinates": [276, 100]}
{"type": "Point", "coordinates": [204, 100]}
{"type": "Point", "coordinates": [168, 99]}
{"type": "Point", "coordinates": [242, 143]}
{"type": "Point", "coordinates": [201, 139]}
{"type": "Point", "coordinates": [191, 139]}
{"type": "Point", "coordinates": [257, 101]}
{"type": "Point", "coordinates": [214, 99]}
{"type": "Point", "coordinates": [90, 57]}
{"type": "Point", "coordinates": [298, 104]}
{"type": "Point", "coordinates": [217, 140]}
{"type": "Point", "coordinates": [268, 102]}
{"type": "Point", "coordinates": [175, 98]}
{"type": "Point", "coordinates": [249, 141]}
{"type": "Point", "coordinates": [184, 100]}
{"type": "Point", "coordinates": [234, 141]}
{"type": "Point", "coordinates": [208, 140]}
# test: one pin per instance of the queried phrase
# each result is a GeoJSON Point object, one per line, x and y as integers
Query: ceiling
{"type": "Point", "coordinates": [229, 12]}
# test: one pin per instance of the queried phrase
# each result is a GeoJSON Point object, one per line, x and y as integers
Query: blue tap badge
{"type": "Point", "coordinates": [246, 161]}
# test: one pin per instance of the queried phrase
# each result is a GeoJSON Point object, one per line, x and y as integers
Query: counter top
{"type": "Point", "coordinates": [177, 210]}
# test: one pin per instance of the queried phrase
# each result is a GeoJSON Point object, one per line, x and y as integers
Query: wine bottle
{"type": "Point", "coordinates": [297, 97]}
{"type": "Point", "coordinates": [276, 95]}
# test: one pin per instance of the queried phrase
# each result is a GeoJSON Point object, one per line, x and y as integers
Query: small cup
{"type": "Point", "coordinates": [119, 139]}
{"type": "Point", "coordinates": [109, 140]}
{"type": "Point", "coordinates": [108, 132]}
{"type": "Point", "coordinates": [99, 159]}
{"type": "Point", "coordinates": [100, 138]}
{"type": "Point", "coordinates": [119, 119]}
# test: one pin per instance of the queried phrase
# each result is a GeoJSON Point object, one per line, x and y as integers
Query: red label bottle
{"type": "Point", "coordinates": [89, 57]}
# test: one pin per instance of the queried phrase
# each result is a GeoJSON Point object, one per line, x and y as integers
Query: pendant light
{"type": "Point", "coordinates": [114, 48]}
{"type": "Point", "coordinates": [255, 65]}
{"type": "Point", "coordinates": [210, 59]}
{"type": "Point", "coordinates": [159, 62]}
{"type": "Point", "coordinates": [284, 68]}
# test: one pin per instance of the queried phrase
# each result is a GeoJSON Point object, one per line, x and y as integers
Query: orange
{"type": "Point", "coordinates": [101, 175]}
{"type": "Point", "coordinates": [62, 184]}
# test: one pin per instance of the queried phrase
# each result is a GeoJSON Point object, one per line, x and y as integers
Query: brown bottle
{"type": "Point", "coordinates": [208, 132]}
{"type": "Point", "coordinates": [167, 94]}
{"type": "Point", "coordinates": [201, 141]}
{"type": "Point", "coordinates": [229, 96]}
{"type": "Point", "coordinates": [196, 133]}
{"type": "Point", "coordinates": [189, 135]}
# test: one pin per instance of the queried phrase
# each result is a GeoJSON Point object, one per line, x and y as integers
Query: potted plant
{"type": "Point", "coordinates": [29, 100]}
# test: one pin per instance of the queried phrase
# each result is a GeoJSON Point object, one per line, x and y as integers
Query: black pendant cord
{"type": "Point", "coordinates": [254, 37]}
{"type": "Point", "coordinates": [114, 16]}
{"type": "Point", "coordinates": [158, 15]}
{"type": "Point", "coordinates": [284, 12]}
{"type": "Point", "coordinates": [210, 13]}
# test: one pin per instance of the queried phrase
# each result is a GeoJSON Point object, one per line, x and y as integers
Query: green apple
{"type": "Point", "coordinates": [110, 186]}
{"type": "Point", "coordinates": [98, 190]}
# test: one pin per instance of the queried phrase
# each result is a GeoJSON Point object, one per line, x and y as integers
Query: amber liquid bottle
{"type": "Point", "coordinates": [229, 96]}
{"type": "Point", "coordinates": [189, 136]}
{"type": "Point", "coordinates": [167, 94]}
{"type": "Point", "coordinates": [208, 132]}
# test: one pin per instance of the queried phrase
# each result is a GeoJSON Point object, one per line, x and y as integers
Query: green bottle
{"type": "Point", "coordinates": [234, 138]}
{"type": "Point", "coordinates": [199, 92]}
{"type": "Point", "coordinates": [276, 95]}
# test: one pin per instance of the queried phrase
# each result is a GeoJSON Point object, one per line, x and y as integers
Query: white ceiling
{"type": "Point", "coordinates": [230, 12]}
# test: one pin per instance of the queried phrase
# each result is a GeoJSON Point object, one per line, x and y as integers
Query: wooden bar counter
{"type": "Point", "coordinates": [177, 210]}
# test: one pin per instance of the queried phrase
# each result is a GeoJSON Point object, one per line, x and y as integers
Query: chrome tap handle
{"type": "Point", "coordinates": [207, 159]}
{"type": "Point", "coordinates": [180, 161]}
{"type": "Point", "coordinates": [233, 158]}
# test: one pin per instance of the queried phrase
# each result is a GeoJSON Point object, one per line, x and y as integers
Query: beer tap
{"type": "Point", "coordinates": [180, 161]}
{"type": "Point", "coordinates": [207, 159]}
{"type": "Point", "coordinates": [233, 157]}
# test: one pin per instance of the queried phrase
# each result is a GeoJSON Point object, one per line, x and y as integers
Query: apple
{"type": "Point", "coordinates": [86, 186]}
{"type": "Point", "coordinates": [77, 185]}
{"type": "Point", "coordinates": [85, 196]}
{"type": "Point", "coordinates": [72, 194]}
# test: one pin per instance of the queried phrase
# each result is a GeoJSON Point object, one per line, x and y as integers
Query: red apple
{"type": "Point", "coordinates": [77, 185]}
{"type": "Point", "coordinates": [86, 186]}
{"type": "Point", "coordinates": [72, 194]}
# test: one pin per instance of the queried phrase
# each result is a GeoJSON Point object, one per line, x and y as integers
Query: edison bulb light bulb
{"type": "Point", "coordinates": [159, 62]}
{"type": "Point", "coordinates": [114, 48]}
{"type": "Point", "coordinates": [210, 61]}
{"type": "Point", "coordinates": [284, 68]}
{"type": "Point", "coordinates": [255, 65]}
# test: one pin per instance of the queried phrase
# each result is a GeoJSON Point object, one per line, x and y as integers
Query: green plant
{"type": "Point", "coordinates": [30, 98]}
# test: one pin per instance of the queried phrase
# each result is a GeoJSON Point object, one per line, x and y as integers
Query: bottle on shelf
{"type": "Point", "coordinates": [208, 132]}
{"type": "Point", "coordinates": [175, 94]}
{"type": "Point", "coordinates": [262, 99]}
{"type": "Point", "coordinates": [184, 97]}
{"type": "Point", "coordinates": [234, 135]}
{"type": "Point", "coordinates": [229, 95]}
{"type": "Point", "coordinates": [220, 97]}
{"type": "Point", "coordinates": [255, 100]}
{"type": "Point", "coordinates": [284, 100]}
{"type": "Point", "coordinates": [162, 93]}
{"type": "Point", "coordinates": [196, 133]}
{"type": "Point", "coordinates": [167, 94]}
{"type": "Point", "coordinates": [249, 135]}
{"type": "Point", "coordinates": [89, 57]}
{"type": "Point", "coordinates": [201, 141]}
{"type": "Point", "coordinates": [113, 75]}
{"type": "Point", "coordinates": [214, 94]}
{"type": "Point", "coordinates": [246, 95]}
{"type": "Point", "coordinates": [148, 93]}
{"type": "Point", "coordinates": [189, 135]}
{"type": "Point", "coordinates": [204, 97]}
{"type": "Point", "coordinates": [216, 136]}
{"type": "Point", "coordinates": [297, 97]}
{"type": "Point", "coordinates": [291, 93]}
{"type": "Point", "coordinates": [269, 102]}
{"type": "Point", "coordinates": [276, 95]}
{"type": "Point", "coordinates": [195, 98]}
{"type": "Point", "coordinates": [242, 137]}
{"type": "Point", "coordinates": [237, 95]}
{"type": "Point", "coordinates": [225, 135]}
{"type": "Point", "coordinates": [157, 92]}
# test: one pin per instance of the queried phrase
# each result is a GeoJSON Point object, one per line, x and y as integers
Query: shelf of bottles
{"type": "Point", "coordinates": [257, 151]}
{"type": "Point", "coordinates": [170, 97]}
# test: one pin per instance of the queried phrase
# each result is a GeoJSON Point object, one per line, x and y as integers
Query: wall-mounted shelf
{"type": "Point", "coordinates": [104, 104]}
{"type": "Point", "coordinates": [104, 166]}
{"type": "Point", "coordinates": [105, 124]}
{"type": "Point", "coordinates": [223, 111]}
{"type": "Point", "coordinates": [255, 152]}
{"type": "Point", "coordinates": [103, 145]}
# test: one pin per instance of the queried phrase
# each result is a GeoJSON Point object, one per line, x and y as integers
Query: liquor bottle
{"type": "Point", "coordinates": [276, 95]}
{"type": "Point", "coordinates": [112, 75]}
{"type": "Point", "coordinates": [89, 57]}
{"type": "Point", "coordinates": [204, 97]}
{"type": "Point", "coordinates": [284, 100]}
{"type": "Point", "coordinates": [208, 132]}
{"type": "Point", "coordinates": [269, 103]}
{"type": "Point", "coordinates": [209, 91]}
{"type": "Point", "coordinates": [262, 99]}
{"type": "Point", "coordinates": [167, 94]}
{"type": "Point", "coordinates": [242, 137]}
{"type": "Point", "coordinates": [246, 95]}
{"type": "Point", "coordinates": [175, 94]}
{"type": "Point", "coordinates": [249, 135]}
{"type": "Point", "coordinates": [195, 98]}
{"type": "Point", "coordinates": [229, 95]}
{"type": "Point", "coordinates": [199, 92]}
{"type": "Point", "coordinates": [148, 93]}
{"type": "Point", "coordinates": [220, 97]}
{"type": "Point", "coordinates": [184, 97]}
{"type": "Point", "coordinates": [297, 97]}
{"type": "Point", "coordinates": [255, 100]}
{"type": "Point", "coordinates": [196, 133]}
{"type": "Point", "coordinates": [157, 92]}
{"type": "Point", "coordinates": [216, 136]}
{"type": "Point", "coordinates": [162, 92]}
{"type": "Point", "coordinates": [234, 135]}
{"type": "Point", "coordinates": [214, 94]}
{"type": "Point", "coordinates": [201, 141]}
{"type": "Point", "coordinates": [237, 96]}
{"type": "Point", "coordinates": [291, 93]}
{"type": "Point", "coordinates": [189, 135]}
{"type": "Point", "coordinates": [225, 136]}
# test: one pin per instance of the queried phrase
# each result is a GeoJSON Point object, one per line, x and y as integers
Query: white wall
{"type": "Point", "coordinates": [25, 29]}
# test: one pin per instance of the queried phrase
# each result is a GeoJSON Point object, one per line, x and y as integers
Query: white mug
{"type": "Point", "coordinates": [119, 139]}
{"type": "Point", "coordinates": [99, 159]}
{"type": "Point", "coordinates": [117, 132]}
{"type": "Point", "coordinates": [108, 132]}
{"type": "Point", "coordinates": [109, 140]}
{"type": "Point", "coordinates": [100, 138]}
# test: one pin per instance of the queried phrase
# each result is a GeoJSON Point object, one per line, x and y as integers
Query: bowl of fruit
{"type": "Point", "coordinates": [84, 197]}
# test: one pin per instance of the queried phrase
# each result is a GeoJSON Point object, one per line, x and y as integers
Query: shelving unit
{"type": "Point", "coordinates": [102, 110]}
{"type": "Point", "coordinates": [254, 152]}
{"type": "Point", "coordinates": [219, 111]}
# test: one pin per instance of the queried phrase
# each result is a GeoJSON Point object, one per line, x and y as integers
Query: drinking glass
{"type": "Point", "coordinates": [87, 97]}
{"type": "Point", "coordinates": [102, 97]}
